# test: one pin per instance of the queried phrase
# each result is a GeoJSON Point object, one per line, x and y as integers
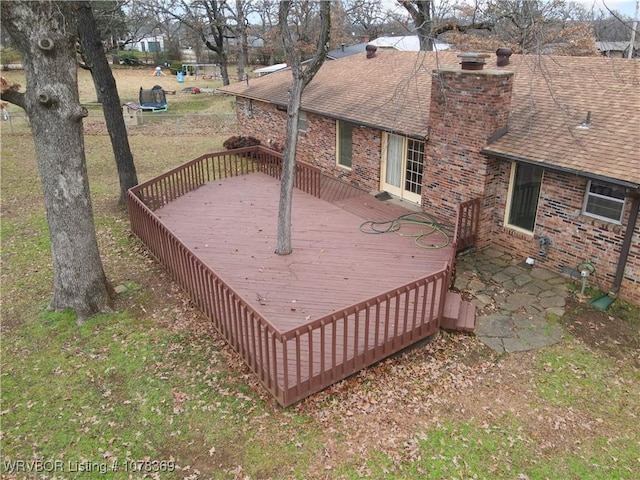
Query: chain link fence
{"type": "Point", "coordinates": [138, 123]}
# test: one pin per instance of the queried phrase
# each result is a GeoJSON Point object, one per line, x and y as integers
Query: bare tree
{"type": "Point", "coordinates": [239, 17]}
{"type": "Point", "coordinates": [268, 30]}
{"type": "Point", "coordinates": [44, 34]}
{"type": "Point", "coordinates": [421, 12]}
{"type": "Point", "coordinates": [140, 21]}
{"type": "Point", "coordinates": [206, 18]}
{"type": "Point", "coordinates": [428, 22]}
{"type": "Point", "coordinates": [112, 21]}
{"type": "Point", "coordinates": [340, 26]}
{"type": "Point", "coordinates": [613, 28]}
{"type": "Point", "coordinates": [531, 26]}
{"type": "Point", "coordinates": [96, 61]}
{"type": "Point", "coordinates": [367, 16]}
{"type": "Point", "coordinates": [302, 75]}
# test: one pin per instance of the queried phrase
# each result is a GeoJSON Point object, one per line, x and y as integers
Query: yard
{"type": "Point", "coordinates": [153, 391]}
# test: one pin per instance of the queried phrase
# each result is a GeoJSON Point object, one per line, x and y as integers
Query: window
{"type": "Point", "coordinates": [524, 191]}
{"type": "Point", "coordinates": [604, 201]}
{"type": "Point", "coordinates": [302, 122]}
{"type": "Point", "coordinates": [345, 143]}
{"type": "Point", "coordinates": [415, 162]}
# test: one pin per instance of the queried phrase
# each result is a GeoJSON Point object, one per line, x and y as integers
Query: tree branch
{"type": "Point", "coordinates": [9, 93]}
{"type": "Point", "coordinates": [323, 44]}
{"type": "Point", "coordinates": [455, 27]}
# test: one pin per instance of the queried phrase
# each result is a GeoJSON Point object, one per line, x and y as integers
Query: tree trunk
{"type": "Point", "coordinates": [242, 40]}
{"type": "Point", "coordinates": [219, 48]}
{"type": "Point", "coordinates": [41, 32]}
{"type": "Point", "coordinates": [421, 14]}
{"type": "Point", "coordinates": [302, 75]}
{"type": "Point", "coordinates": [224, 71]}
{"type": "Point", "coordinates": [283, 244]}
{"type": "Point", "coordinates": [108, 95]}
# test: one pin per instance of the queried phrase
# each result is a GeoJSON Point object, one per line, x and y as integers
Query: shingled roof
{"type": "Point", "coordinates": [552, 98]}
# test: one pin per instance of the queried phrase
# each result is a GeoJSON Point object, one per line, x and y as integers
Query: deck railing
{"type": "Point", "coordinates": [336, 345]}
{"type": "Point", "coordinates": [342, 343]}
{"type": "Point", "coordinates": [467, 222]}
{"type": "Point", "coordinates": [212, 166]}
{"type": "Point", "coordinates": [248, 332]}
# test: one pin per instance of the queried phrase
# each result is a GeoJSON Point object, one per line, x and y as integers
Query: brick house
{"type": "Point", "coordinates": [550, 144]}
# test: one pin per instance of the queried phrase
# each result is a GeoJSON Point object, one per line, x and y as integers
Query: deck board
{"type": "Point", "coordinates": [230, 225]}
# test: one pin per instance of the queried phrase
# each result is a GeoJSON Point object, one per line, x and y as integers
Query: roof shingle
{"type": "Point", "coordinates": [552, 97]}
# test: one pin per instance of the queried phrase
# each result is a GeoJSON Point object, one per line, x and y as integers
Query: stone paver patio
{"type": "Point", "coordinates": [516, 304]}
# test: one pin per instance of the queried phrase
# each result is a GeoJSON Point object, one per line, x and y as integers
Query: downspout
{"type": "Point", "coordinates": [626, 244]}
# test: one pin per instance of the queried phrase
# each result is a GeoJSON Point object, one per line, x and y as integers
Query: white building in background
{"type": "Point", "coordinates": [151, 44]}
{"type": "Point", "coordinates": [406, 43]}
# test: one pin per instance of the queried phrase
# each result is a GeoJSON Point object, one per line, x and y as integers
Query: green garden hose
{"type": "Point", "coordinates": [423, 223]}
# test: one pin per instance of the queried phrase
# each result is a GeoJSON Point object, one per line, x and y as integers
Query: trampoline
{"type": "Point", "coordinates": [154, 100]}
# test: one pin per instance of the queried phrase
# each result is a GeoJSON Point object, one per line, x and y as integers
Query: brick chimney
{"type": "Point", "coordinates": [468, 110]}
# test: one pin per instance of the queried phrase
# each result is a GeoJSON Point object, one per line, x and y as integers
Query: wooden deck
{"type": "Point", "coordinates": [341, 301]}
{"type": "Point", "coordinates": [230, 225]}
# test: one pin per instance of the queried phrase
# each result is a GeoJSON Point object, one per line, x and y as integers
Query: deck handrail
{"type": "Point", "coordinates": [261, 347]}
{"type": "Point", "coordinates": [467, 222]}
{"type": "Point", "coordinates": [343, 342]}
{"type": "Point", "coordinates": [191, 175]}
{"type": "Point", "coordinates": [412, 285]}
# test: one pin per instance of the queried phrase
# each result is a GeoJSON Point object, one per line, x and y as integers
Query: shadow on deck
{"type": "Point", "coordinates": [341, 302]}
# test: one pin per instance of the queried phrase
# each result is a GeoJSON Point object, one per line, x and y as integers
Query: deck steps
{"type": "Point", "coordinates": [459, 315]}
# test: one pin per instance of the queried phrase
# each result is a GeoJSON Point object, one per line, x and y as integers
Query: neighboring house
{"type": "Point", "coordinates": [346, 50]}
{"type": "Point", "coordinates": [617, 49]}
{"type": "Point", "coordinates": [407, 43]}
{"type": "Point", "coordinates": [270, 69]}
{"type": "Point", "coordinates": [551, 144]}
{"type": "Point", "coordinates": [253, 42]}
{"type": "Point", "coordinates": [151, 44]}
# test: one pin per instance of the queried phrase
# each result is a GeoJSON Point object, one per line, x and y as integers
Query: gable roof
{"type": "Point", "coordinates": [551, 98]}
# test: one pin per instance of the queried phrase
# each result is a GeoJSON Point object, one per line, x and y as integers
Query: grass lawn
{"type": "Point", "coordinates": [151, 391]}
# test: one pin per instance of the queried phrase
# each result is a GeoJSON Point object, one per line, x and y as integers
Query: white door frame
{"type": "Point", "coordinates": [396, 190]}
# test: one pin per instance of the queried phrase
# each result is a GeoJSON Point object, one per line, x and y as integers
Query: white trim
{"type": "Point", "coordinates": [507, 207]}
{"type": "Point", "coordinates": [400, 191]}
{"type": "Point", "coordinates": [393, 190]}
{"type": "Point", "coordinates": [338, 164]}
{"type": "Point", "coordinates": [406, 194]}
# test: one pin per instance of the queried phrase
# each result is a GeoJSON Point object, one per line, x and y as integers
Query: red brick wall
{"type": "Point", "coordinates": [455, 171]}
{"type": "Point", "coordinates": [467, 107]}
{"type": "Point", "coordinates": [574, 237]}
{"type": "Point", "coordinates": [318, 145]}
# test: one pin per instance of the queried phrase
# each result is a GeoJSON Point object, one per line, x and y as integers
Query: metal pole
{"type": "Point", "coordinates": [626, 243]}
